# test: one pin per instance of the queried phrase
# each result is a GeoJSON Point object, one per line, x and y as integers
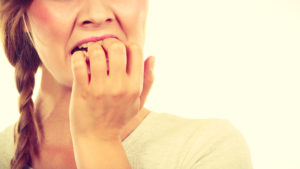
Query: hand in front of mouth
{"type": "Point", "coordinates": [104, 105]}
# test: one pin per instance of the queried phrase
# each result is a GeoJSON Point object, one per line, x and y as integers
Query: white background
{"type": "Point", "coordinates": [232, 59]}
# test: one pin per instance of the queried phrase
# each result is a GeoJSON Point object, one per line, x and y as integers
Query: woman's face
{"type": "Point", "coordinates": [57, 25]}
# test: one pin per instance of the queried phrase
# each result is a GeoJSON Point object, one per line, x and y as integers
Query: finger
{"type": "Point", "coordinates": [79, 69]}
{"type": "Point", "coordinates": [98, 65]}
{"type": "Point", "coordinates": [116, 53]}
{"type": "Point", "coordinates": [148, 79]}
{"type": "Point", "coordinates": [135, 64]}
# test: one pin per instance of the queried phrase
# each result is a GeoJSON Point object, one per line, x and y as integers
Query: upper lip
{"type": "Point", "coordinates": [92, 39]}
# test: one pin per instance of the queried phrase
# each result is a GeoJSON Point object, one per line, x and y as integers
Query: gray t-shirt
{"type": "Point", "coordinates": [166, 141]}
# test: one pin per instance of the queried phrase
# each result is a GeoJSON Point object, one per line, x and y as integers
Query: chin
{"type": "Point", "coordinates": [68, 84]}
{"type": "Point", "coordinates": [65, 81]}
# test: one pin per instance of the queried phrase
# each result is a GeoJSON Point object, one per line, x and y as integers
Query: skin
{"type": "Point", "coordinates": [101, 111]}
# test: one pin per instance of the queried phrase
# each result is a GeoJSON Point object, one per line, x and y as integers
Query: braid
{"type": "Point", "coordinates": [22, 55]}
{"type": "Point", "coordinates": [27, 140]}
{"type": "Point", "coordinates": [28, 134]}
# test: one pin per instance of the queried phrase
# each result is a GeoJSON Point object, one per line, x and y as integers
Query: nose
{"type": "Point", "coordinates": [94, 13]}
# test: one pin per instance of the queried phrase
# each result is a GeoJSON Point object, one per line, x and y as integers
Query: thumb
{"type": "Point", "coordinates": [148, 79]}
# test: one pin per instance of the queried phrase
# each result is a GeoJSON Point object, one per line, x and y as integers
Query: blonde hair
{"type": "Point", "coordinates": [20, 52]}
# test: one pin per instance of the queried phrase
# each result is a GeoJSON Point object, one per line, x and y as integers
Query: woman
{"type": "Point", "coordinates": [89, 112]}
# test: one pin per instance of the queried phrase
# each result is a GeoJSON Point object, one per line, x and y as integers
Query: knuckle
{"type": "Point", "coordinates": [118, 94]}
{"type": "Point", "coordinates": [135, 93]}
{"type": "Point", "coordinates": [98, 93]}
{"type": "Point", "coordinates": [99, 96]}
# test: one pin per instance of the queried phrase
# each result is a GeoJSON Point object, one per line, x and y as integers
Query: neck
{"type": "Point", "coordinates": [52, 104]}
{"type": "Point", "coordinates": [53, 97]}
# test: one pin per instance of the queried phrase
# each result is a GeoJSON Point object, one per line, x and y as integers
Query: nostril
{"type": "Point", "coordinates": [89, 22]}
{"type": "Point", "coordinates": [86, 22]}
{"type": "Point", "coordinates": [108, 20]}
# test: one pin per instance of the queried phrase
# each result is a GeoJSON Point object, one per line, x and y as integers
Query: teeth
{"type": "Point", "coordinates": [86, 45]}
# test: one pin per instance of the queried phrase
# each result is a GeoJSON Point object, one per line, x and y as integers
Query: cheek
{"type": "Point", "coordinates": [47, 24]}
{"type": "Point", "coordinates": [49, 36]}
{"type": "Point", "coordinates": [132, 16]}
{"type": "Point", "coordinates": [49, 29]}
{"type": "Point", "coordinates": [42, 21]}
{"type": "Point", "coordinates": [39, 12]}
{"type": "Point", "coordinates": [135, 10]}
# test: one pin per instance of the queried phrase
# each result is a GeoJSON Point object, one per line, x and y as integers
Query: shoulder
{"type": "Point", "coordinates": [211, 143]}
{"type": "Point", "coordinates": [6, 146]}
{"type": "Point", "coordinates": [219, 144]}
{"type": "Point", "coordinates": [210, 128]}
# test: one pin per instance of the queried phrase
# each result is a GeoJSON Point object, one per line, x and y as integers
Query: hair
{"type": "Point", "coordinates": [20, 52]}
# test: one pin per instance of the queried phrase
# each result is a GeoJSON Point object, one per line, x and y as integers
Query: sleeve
{"type": "Point", "coordinates": [6, 147]}
{"type": "Point", "coordinates": [228, 150]}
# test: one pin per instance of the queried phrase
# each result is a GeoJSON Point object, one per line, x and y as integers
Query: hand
{"type": "Point", "coordinates": [103, 106]}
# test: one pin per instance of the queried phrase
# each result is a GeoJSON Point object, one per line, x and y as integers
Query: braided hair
{"type": "Point", "coordinates": [21, 54]}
